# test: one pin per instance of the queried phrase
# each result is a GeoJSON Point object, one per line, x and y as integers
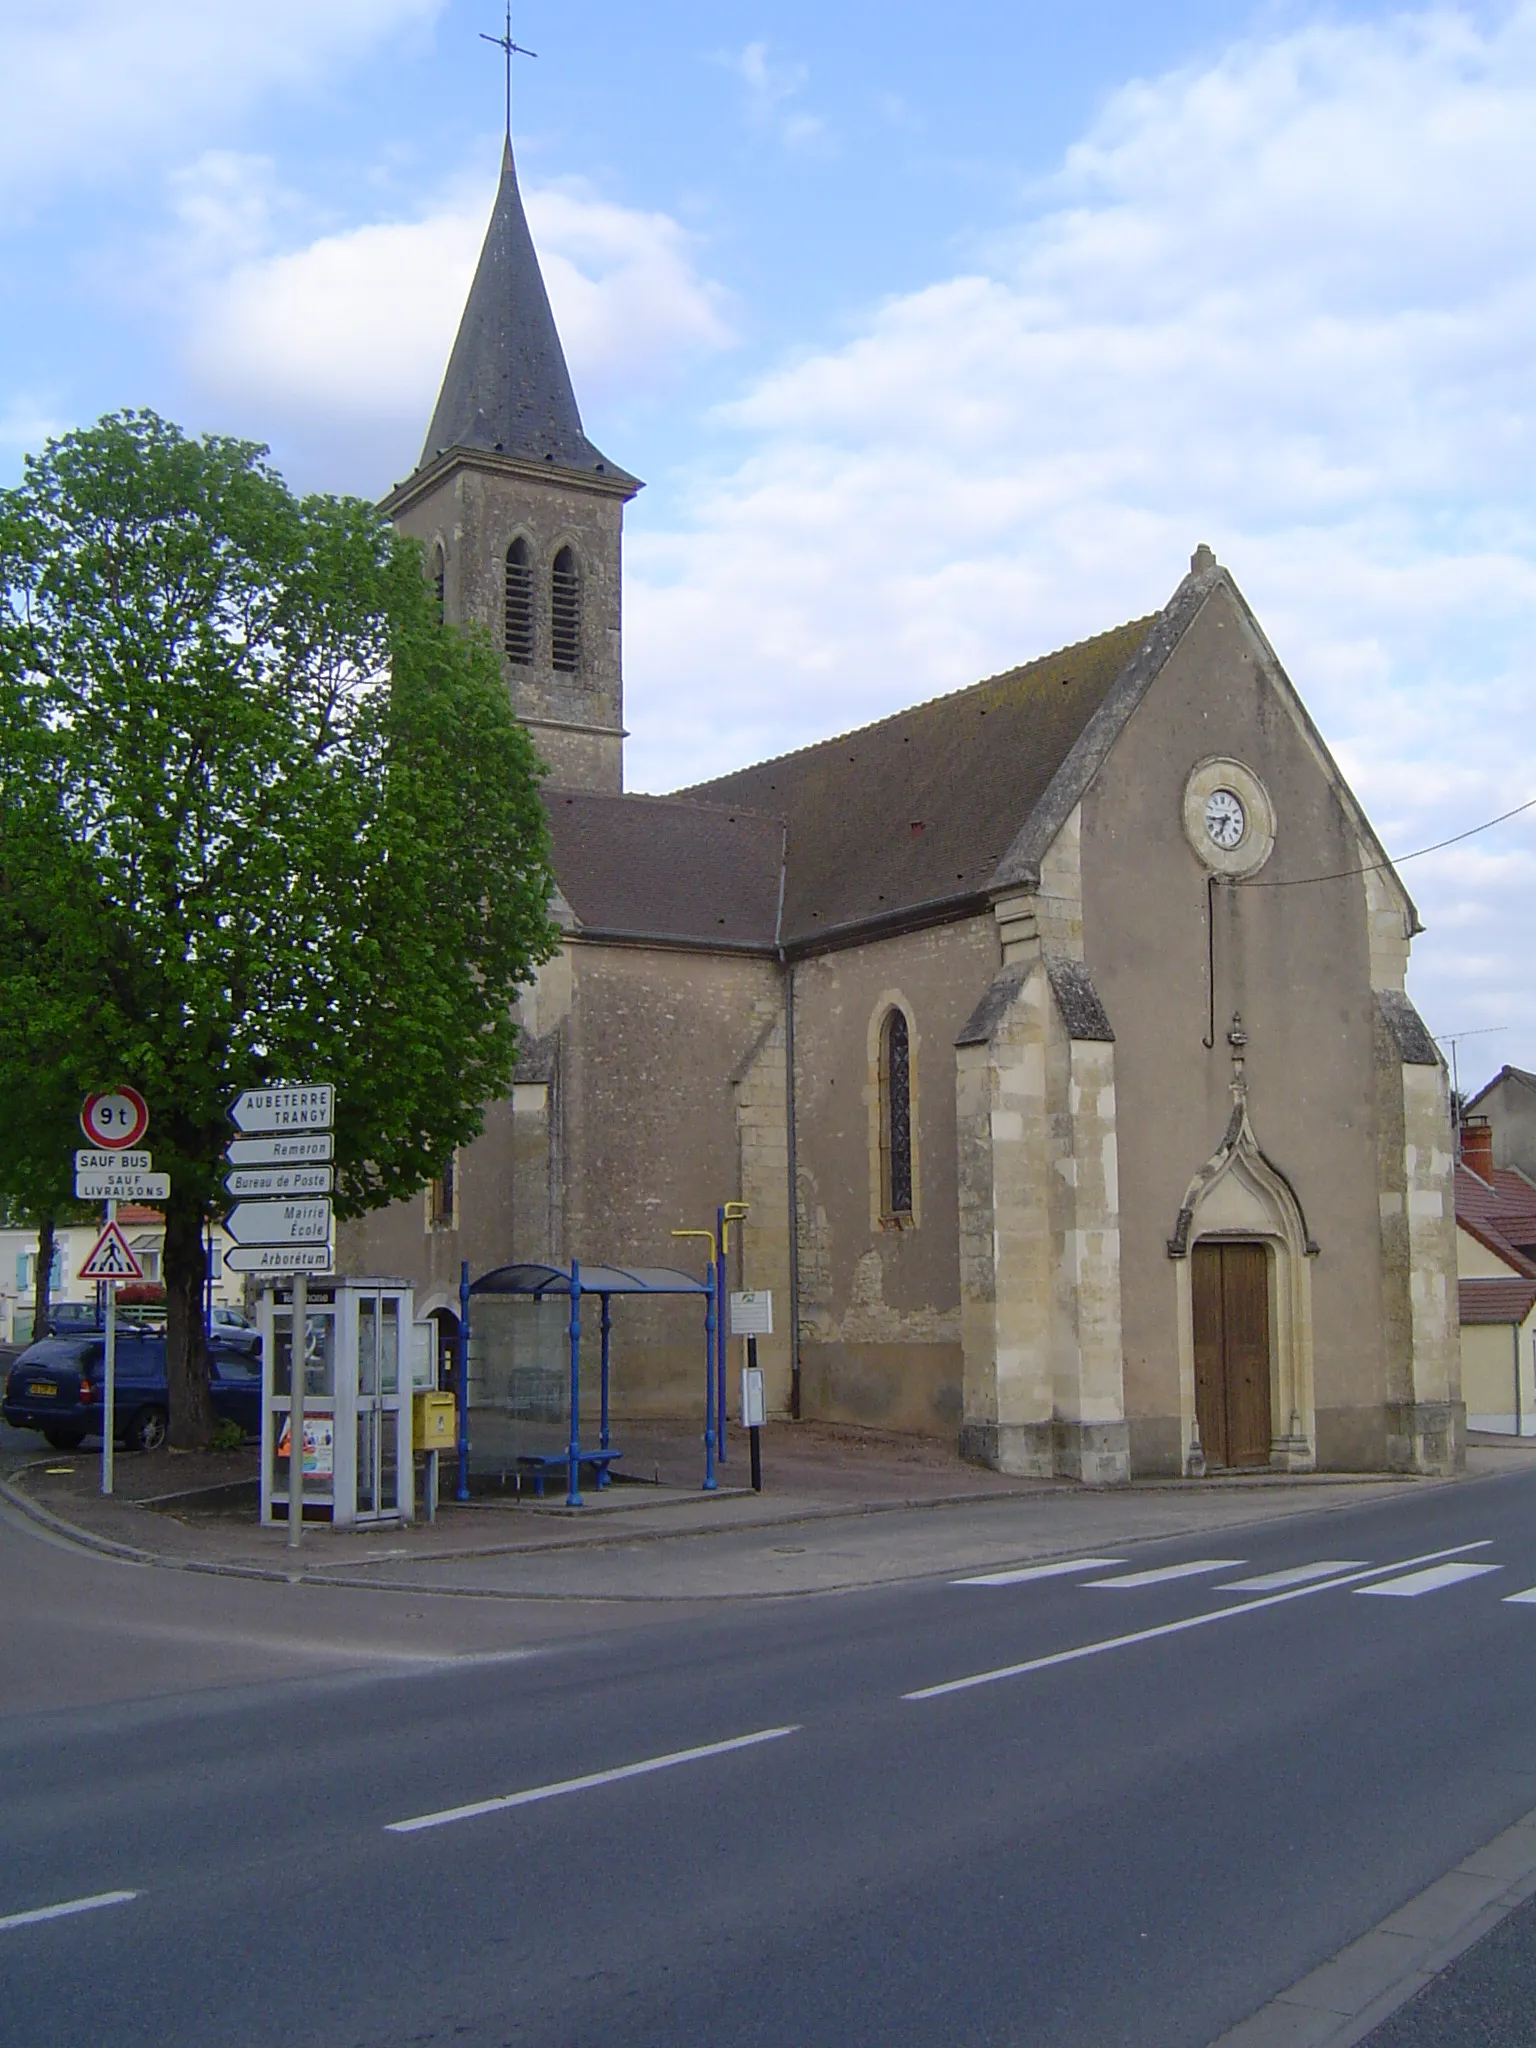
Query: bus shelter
{"type": "Point", "coordinates": [543, 1283]}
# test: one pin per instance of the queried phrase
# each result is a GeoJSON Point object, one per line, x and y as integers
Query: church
{"type": "Point", "coordinates": [1053, 1033]}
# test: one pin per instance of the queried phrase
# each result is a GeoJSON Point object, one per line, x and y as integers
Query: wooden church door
{"type": "Point", "coordinates": [1230, 1284]}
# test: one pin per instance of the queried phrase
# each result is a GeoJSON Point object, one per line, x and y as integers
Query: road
{"type": "Point", "coordinates": [1162, 1794]}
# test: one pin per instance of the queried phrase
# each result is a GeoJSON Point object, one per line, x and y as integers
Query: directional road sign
{"type": "Point", "coordinates": [285, 1109]}
{"type": "Point", "coordinates": [281, 1258]}
{"type": "Point", "coordinates": [113, 1162]}
{"type": "Point", "coordinates": [116, 1119]}
{"type": "Point", "coordinates": [111, 1259]}
{"type": "Point", "coordinates": [122, 1187]}
{"type": "Point", "coordinates": [302, 1148]}
{"type": "Point", "coordinates": [279, 1222]}
{"type": "Point", "coordinates": [279, 1180]}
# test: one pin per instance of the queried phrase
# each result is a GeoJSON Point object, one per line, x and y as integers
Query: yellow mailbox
{"type": "Point", "coordinates": [434, 1419]}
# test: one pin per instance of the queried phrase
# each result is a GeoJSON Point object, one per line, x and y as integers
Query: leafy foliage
{"type": "Point", "coordinates": [262, 818]}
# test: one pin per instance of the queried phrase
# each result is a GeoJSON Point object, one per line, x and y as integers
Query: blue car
{"type": "Point", "coordinates": [56, 1386]}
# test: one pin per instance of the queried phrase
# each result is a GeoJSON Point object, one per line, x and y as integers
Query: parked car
{"type": "Point", "coordinates": [56, 1386]}
{"type": "Point", "coordinates": [234, 1326]}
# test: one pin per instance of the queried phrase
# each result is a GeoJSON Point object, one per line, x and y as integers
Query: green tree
{"type": "Point", "coordinates": [263, 818]}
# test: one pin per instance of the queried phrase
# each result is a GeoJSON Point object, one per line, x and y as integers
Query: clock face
{"type": "Point", "coordinates": [1225, 820]}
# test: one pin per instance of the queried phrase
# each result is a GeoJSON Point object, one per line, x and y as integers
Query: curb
{"type": "Point", "coordinates": [1346, 1999]}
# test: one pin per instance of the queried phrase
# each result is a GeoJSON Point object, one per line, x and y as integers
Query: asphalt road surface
{"type": "Point", "coordinates": [1127, 1803]}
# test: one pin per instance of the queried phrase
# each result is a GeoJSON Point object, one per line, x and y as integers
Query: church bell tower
{"type": "Point", "coordinates": [520, 516]}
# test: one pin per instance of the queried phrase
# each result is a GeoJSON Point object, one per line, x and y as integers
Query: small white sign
{"type": "Point", "coordinates": [122, 1187]}
{"type": "Point", "coordinates": [752, 1313]}
{"type": "Point", "coordinates": [280, 1258]}
{"type": "Point", "coordinates": [113, 1162]}
{"type": "Point", "coordinates": [754, 1403]}
{"type": "Point", "coordinates": [279, 1222]}
{"type": "Point", "coordinates": [279, 1180]}
{"type": "Point", "coordinates": [295, 1151]}
{"type": "Point", "coordinates": [285, 1109]}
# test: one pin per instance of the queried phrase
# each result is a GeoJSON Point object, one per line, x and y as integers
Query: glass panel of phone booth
{"type": "Point", "coordinates": [319, 1401]}
{"type": "Point", "coordinates": [367, 1405]}
{"type": "Point", "coordinates": [389, 1405]}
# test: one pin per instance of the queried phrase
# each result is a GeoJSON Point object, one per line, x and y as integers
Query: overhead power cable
{"type": "Point", "coordinates": [1375, 867]}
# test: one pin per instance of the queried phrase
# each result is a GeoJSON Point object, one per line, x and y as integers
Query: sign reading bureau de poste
{"type": "Point", "coordinates": [279, 1180]}
{"type": "Point", "coordinates": [285, 1109]}
{"type": "Point", "coordinates": [280, 1222]}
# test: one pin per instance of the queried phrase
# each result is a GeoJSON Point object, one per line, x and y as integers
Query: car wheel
{"type": "Point", "coordinates": [146, 1431]}
{"type": "Point", "coordinates": [64, 1439]}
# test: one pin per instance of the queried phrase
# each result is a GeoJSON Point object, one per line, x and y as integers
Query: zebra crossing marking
{"type": "Point", "coordinates": [1058, 1570]}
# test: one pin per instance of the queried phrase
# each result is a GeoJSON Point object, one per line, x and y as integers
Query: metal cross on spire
{"type": "Point", "coordinates": [505, 44]}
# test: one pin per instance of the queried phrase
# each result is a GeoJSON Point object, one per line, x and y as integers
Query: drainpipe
{"type": "Point", "coordinates": [786, 968]}
{"type": "Point", "coordinates": [1515, 1333]}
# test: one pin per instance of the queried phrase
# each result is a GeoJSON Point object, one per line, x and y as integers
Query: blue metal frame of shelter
{"type": "Point", "coordinates": [535, 1283]}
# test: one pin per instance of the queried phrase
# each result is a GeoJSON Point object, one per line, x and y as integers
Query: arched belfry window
{"type": "Point", "coordinates": [565, 612]}
{"type": "Point", "coordinates": [896, 1115]}
{"type": "Point", "coordinates": [517, 624]}
{"type": "Point", "coordinates": [439, 580]}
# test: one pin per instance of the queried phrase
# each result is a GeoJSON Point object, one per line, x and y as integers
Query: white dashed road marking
{"type": "Point", "coordinates": [1167, 1573]}
{"type": "Point", "coordinates": [587, 1783]}
{"type": "Point", "coordinates": [1415, 1583]}
{"type": "Point", "coordinates": [66, 1910]}
{"type": "Point", "coordinates": [1059, 1570]}
{"type": "Point", "coordinates": [1297, 1575]}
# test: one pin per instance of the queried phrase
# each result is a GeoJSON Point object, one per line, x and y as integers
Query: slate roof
{"type": "Point", "coordinates": [507, 389]}
{"type": "Point", "coordinates": [919, 810]}
{"type": "Point", "coordinates": [1496, 1301]}
{"type": "Point", "coordinates": [653, 867]}
{"type": "Point", "coordinates": [1505, 1073]}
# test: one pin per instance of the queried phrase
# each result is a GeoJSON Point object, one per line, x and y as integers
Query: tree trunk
{"type": "Point", "coordinates": [42, 1279]}
{"type": "Point", "coordinates": [185, 1269]}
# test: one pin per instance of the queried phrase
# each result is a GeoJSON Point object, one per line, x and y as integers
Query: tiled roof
{"type": "Point", "coordinates": [652, 867]}
{"type": "Point", "coordinates": [1496, 1301]}
{"type": "Point", "coordinates": [1480, 1209]}
{"type": "Point", "coordinates": [920, 809]}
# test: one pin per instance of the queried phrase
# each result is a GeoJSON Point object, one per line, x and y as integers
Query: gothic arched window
{"type": "Point", "coordinates": [896, 1115]}
{"type": "Point", "coordinates": [517, 624]}
{"type": "Point", "coordinates": [439, 579]}
{"type": "Point", "coordinates": [565, 612]}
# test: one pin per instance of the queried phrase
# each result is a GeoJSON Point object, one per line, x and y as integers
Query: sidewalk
{"type": "Point", "coordinates": [842, 1508]}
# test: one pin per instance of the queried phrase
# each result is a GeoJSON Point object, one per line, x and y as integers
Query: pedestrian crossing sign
{"type": "Point", "coordinates": [111, 1258]}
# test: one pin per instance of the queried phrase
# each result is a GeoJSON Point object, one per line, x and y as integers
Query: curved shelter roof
{"type": "Point", "coordinates": [536, 1281]}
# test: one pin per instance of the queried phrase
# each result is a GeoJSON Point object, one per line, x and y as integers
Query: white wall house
{"type": "Point", "coordinates": [145, 1232]}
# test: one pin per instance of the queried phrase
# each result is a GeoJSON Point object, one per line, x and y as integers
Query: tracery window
{"type": "Point", "coordinates": [896, 1115]}
{"type": "Point", "coordinates": [439, 580]}
{"type": "Point", "coordinates": [517, 622]}
{"type": "Point", "coordinates": [565, 612]}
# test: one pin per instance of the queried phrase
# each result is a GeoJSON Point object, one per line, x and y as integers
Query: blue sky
{"type": "Point", "coordinates": [939, 341]}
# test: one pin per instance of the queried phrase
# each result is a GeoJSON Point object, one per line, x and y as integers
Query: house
{"type": "Point", "coordinates": [1496, 1286]}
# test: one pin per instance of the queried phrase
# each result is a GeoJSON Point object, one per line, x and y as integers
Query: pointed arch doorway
{"type": "Point", "coordinates": [1234, 1350]}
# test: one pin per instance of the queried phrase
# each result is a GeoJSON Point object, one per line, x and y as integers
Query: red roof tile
{"type": "Point", "coordinates": [1496, 1301]}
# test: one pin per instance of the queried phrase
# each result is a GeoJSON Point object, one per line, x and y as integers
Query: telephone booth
{"type": "Point", "coordinates": [364, 1358]}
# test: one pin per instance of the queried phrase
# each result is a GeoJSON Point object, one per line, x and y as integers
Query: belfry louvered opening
{"type": "Point", "coordinates": [517, 624]}
{"type": "Point", "coordinates": [565, 612]}
{"type": "Point", "coordinates": [439, 580]}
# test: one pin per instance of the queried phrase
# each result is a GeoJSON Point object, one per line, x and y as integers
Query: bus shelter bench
{"type": "Point", "coordinates": [542, 1465]}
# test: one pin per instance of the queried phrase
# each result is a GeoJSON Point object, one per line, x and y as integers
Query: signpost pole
{"type": "Point", "coordinates": [298, 1346]}
{"type": "Point", "coordinates": [754, 1431]}
{"type": "Point", "coordinates": [109, 1377]}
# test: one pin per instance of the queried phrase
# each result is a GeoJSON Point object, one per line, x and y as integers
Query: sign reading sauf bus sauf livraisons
{"type": "Point", "coordinates": [288, 1159]}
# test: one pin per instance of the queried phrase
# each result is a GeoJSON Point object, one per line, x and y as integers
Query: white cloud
{"type": "Point", "coordinates": [342, 342]}
{"type": "Point", "coordinates": [85, 84]}
{"type": "Point", "coordinates": [772, 88]}
{"type": "Point", "coordinates": [1285, 303]}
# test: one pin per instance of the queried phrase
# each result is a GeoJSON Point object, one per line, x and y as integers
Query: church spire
{"type": "Point", "coordinates": [507, 390]}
